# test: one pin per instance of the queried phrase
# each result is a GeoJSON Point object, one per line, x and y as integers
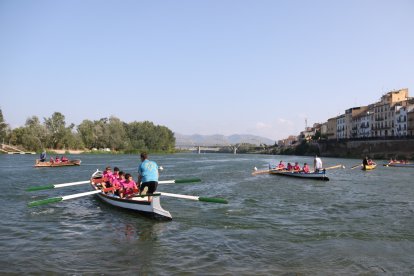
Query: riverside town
{"type": "Point", "coordinates": [362, 130]}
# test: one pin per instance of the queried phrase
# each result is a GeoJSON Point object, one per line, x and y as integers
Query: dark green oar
{"type": "Point", "coordinates": [197, 198]}
{"type": "Point", "coordinates": [57, 199]}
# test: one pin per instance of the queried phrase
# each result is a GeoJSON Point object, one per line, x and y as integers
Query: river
{"type": "Point", "coordinates": [357, 223]}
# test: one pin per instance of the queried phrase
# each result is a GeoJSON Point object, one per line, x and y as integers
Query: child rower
{"type": "Point", "coordinates": [305, 168]}
{"type": "Point", "coordinates": [107, 175]}
{"type": "Point", "coordinates": [281, 166]}
{"type": "Point", "coordinates": [296, 168]}
{"type": "Point", "coordinates": [129, 187]}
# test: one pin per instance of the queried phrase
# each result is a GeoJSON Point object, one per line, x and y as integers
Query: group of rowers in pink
{"type": "Point", "coordinates": [294, 168]}
{"type": "Point", "coordinates": [119, 183]}
{"type": "Point", "coordinates": [317, 165]}
{"type": "Point", "coordinates": [395, 161]}
{"type": "Point", "coordinates": [58, 160]}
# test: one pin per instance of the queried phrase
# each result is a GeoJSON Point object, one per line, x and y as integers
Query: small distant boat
{"type": "Point", "coordinates": [139, 204]}
{"type": "Point", "coordinates": [313, 175]}
{"type": "Point", "coordinates": [397, 164]}
{"type": "Point", "coordinates": [369, 167]}
{"type": "Point", "coordinates": [75, 162]}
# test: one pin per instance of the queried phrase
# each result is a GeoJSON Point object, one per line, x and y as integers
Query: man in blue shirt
{"type": "Point", "coordinates": [43, 156]}
{"type": "Point", "coordinates": [147, 175]}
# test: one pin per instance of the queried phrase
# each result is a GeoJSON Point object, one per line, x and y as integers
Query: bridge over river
{"type": "Point", "coordinates": [214, 148]}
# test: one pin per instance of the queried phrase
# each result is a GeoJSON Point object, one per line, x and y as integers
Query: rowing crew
{"type": "Point", "coordinates": [317, 164]}
{"type": "Point", "coordinates": [292, 168]}
{"type": "Point", "coordinates": [118, 183]}
{"type": "Point", "coordinates": [123, 185]}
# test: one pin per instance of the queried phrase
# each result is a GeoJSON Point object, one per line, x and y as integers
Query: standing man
{"type": "Point", "coordinates": [365, 162]}
{"type": "Point", "coordinates": [147, 175]}
{"type": "Point", "coordinates": [317, 164]}
{"type": "Point", "coordinates": [43, 156]}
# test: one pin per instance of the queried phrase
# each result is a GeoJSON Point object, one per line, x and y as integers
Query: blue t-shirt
{"type": "Point", "coordinates": [148, 170]}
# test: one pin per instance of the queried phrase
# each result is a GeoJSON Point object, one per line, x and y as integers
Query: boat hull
{"type": "Point", "coordinates": [137, 204]}
{"type": "Point", "coordinates": [75, 162]}
{"type": "Point", "coordinates": [368, 167]}
{"type": "Point", "coordinates": [401, 165]}
{"type": "Point", "coordinates": [314, 176]}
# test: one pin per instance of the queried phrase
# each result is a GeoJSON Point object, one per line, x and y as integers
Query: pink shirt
{"type": "Point", "coordinates": [129, 186]}
{"type": "Point", "coordinates": [115, 183]}
{"type": "Point", "coordinates": [306, 169]}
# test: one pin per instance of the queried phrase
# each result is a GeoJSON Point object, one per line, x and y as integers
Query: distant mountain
{"type": "Point", "coordinates": [220, 140]}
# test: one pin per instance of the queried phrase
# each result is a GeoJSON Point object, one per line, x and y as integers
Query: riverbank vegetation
{"type": "Point", "coordinates": [106, 133]}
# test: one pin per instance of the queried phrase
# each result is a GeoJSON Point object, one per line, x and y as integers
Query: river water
{"type": "Point", "coordinates": [356, 223]}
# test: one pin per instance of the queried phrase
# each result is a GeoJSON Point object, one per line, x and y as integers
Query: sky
{"type": "Point", "coordinates": [202, 67]}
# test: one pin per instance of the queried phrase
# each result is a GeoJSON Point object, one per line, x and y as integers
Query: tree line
{"type": "Point", "coordinates": [110, 132]}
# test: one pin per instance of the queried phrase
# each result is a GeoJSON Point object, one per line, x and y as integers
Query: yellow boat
{"type": "Point", "coordinates": [369, 167]}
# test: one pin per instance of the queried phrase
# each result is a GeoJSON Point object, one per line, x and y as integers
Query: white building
{"type": "Point", "coordinates": [401, 120]}
{"type": "Point", "coordinates": [362, 125]}
{"type": "Point", "coordinates": [341, 129]}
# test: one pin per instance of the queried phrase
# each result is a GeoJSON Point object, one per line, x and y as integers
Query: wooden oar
{"type": "Point", "coordinates": [263, 171]}
{"type": "Point", "coordinates": [57, 199]}
{"type": "Point", "coordinates": [356, 166]}
{"type": "Point", "coordinates": [54, 186]}
{"type": "Point", "coordinates": [197, 198]}
{"type": "Point", "coordinates": [335, 167]}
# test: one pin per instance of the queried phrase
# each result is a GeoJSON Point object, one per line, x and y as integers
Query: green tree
{"type": "Point", "coordinates": [118, 139]}
{"type": "Point", "coordinates": [86, 134]}
{"type": "Point", "coordinates": [56, 129]}
{"type": "Point", "coordinates": [3, 128]}
{"type": "Point", "coordinates": [34, 135]}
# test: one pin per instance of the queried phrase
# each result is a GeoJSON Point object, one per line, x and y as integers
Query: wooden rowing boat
{"type": "Point", "coordinates": [75, 162]}
{"type": "Point", "coordinates": [313, 175]}
{"type": "Point", "coordinates": [369, 167]}
{"type": "Point", "coordinates": [403, 165]}
{"type": "Point", "coordinates": [138, 204]}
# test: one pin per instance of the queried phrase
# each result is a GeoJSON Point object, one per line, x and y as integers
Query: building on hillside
{"type": "Point", "coordinates": [385, 110]}
{"type": "Point", "coordinates": [331, 128]}
{"type": "Point", "coordinates": [410, 123]}
{"type": "Point", "coordinates": [361, 124]}
{"type": "Point", "coordinates": [324, 130]}
{"type": "Point", "coordinates": [291, 140]}
{"type": "Point", "coordinates": [349, 115]}
{"type": "Point", "coordinates": [391, 116]}
{"type": "Point", "coordinates": [307, 134]}
{"type": "Point", "coordinates": [340, 127]}
{"type": "Point", "coordinates": [401, 120]}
